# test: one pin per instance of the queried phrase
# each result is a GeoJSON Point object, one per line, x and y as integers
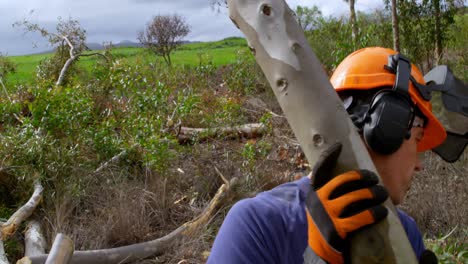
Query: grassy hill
{"type": "Point", "coordinates": [218, 53]}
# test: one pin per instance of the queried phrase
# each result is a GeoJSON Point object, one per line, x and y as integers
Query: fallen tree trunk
{"type": "Point", "coordinates": [3, 258]}
{"type": "Point", "coordinates": [34, 241]}
{"type": "Point", "coordinates": [24, 212]}
{"type": "Point", "coordinates": [315, 112]}
{"type": "Point", "coordinates": [151, 248]}
{"type": "Point", "coordinates": [62, 250]}
{"type": "Point", "coordinates": [187, 134]}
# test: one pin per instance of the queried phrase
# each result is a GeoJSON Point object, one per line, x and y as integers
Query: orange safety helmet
{"type": "Point", "coordinates": [364, 69]}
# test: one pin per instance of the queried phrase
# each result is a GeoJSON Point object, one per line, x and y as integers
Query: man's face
{"type": "Point", "coordinates": [397, 169]}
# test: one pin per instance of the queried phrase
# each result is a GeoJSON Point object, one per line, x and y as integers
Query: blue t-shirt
{"type": "Point", "coordinates": [272, 228]}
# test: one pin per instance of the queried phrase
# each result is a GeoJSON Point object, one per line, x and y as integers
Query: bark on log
{"type": "Point", "coordinates": [315, 112]}
{"type": "Point", "coordinates": [24, 260]}
{"type": "Point", "coordinates": [187, 134]}
{"type": "Point", "coordinates": [24, 212]}
{"type": "Point", "coordinates": [62, 250]}
{"type": "Point", "coordinates": [3, 258]}
{"type": "Point", "coordinates": [34, 241]}
{"type": "Point", "coordinates": [151, 248]}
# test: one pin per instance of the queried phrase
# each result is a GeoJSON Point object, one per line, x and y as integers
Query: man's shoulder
{"type": "Point", "coordinates": [412, 231]}
{"type": "Point", "coordinates": [406, 220]}
{"type": "Point", "coordinates": [268, 228]}
{"type": "Point", "coordinates": [295, 191]}
{"type": "Point", "coordinates": [279, 205]}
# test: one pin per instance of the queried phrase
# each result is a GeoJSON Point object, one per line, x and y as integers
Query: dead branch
{"type": "Point", "coordinates": [34, 240]}
{"type": "Point", "coordinates": [3, 258]}
{"type": "Point", "coordinates": [5, 90]}
{"type": "Point", "coordinates": [24, 212]}
{"type": "Point", "coordinates": [221, 176]}
{"type": "Point", "coordinates": [68, 62]}
{"type": "Point", "coordinates": [151, 248]}
{"type": "Point", "coordinates": [62, 250]}
{"type": "Point", "coordinates": [94, 54]}
{"type": "Point", "coordinates": [200, 134]}
{"type": "Point", "coordinates": [72, 58]}
{"type": "Point", "coordinates": [114, 159]}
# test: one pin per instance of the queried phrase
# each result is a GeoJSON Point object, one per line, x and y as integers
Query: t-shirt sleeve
{"type": "Point", "coordinates": [247, 235]}
{"type": "Point", "coordinates": [413, 233]}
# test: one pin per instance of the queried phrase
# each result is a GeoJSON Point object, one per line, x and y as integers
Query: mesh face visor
{"type": "Point", "coordinates": [453, 146]}
{"type": "Point", "coordinates": [450, 107]}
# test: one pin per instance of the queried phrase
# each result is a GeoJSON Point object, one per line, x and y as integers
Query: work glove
{"type": "Point", "coordinates": [340, 205]}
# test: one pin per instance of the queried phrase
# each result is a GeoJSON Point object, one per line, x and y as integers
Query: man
{"type": "Point", "coordinates": [309, 222]}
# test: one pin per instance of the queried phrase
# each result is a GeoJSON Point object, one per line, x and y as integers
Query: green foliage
{"type": "Point", "coordinates": [307, 17]}
{"type": "Point", "coordinates": [228, 112]}
{"type": "Point", "coordinates": [423, 28]}
{"type": "Point", "coordinates": [68, 40]}
{"type": "Point", "coordinates": [457, 41]}
{"type": "Point", "coordinates": [249, 154]}
{"type": "Point", "coordinates": [244, 75]}
{"type": "Point", "coordinates": [221, 52]}
{"type": "Point", "coordinates": [7, 66]}
{"type": "Point", "coordinates": [48, 70]}
{"type": "Point", "coordinates": [252, 153]}
{"type": "Point", "coordinates": [331, 38]}
{"type": "Point", "coordinates": [448, 249]}
{"type": "Point", "coordinates": [5, 212]}
{"type": "Point", "coordinates": [61, 111]}
{"type": "Point", "coordinates": [13, 248]}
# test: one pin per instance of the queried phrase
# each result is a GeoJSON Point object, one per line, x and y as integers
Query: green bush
{"type": "Point", "coordinates": [449, 250]}
{"type": "Point", "coordinates": [244, 76]}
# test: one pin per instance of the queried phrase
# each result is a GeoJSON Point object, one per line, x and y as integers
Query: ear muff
{"type": "Point", "coordinates": [388, 121]}
{"type": "Point", "coordinates": [390, 116]}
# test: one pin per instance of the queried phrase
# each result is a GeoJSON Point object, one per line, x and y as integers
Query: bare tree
{"type": "Point", "coordinates": [68, 38]}
{"type": "Point", "coordinates": [396, 32]}
{"type": "Point", "coordinates": [164, 34]}
{"type": "Point", "coordinates": [217, 5]}
{"type": "Point", "coordinates": [353, 19]}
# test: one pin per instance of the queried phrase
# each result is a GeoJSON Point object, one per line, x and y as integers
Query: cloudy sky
{"type": "Point", "coordinates": [117, 20]}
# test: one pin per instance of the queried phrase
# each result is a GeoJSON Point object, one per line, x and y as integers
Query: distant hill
{"type": "Point", "coordinates": [217, 53]}
{"type": "Point", "coordinates": [122, 44]}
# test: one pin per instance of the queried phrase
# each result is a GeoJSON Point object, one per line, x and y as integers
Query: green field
{"type": "Point", "coordinates": [218, 53]}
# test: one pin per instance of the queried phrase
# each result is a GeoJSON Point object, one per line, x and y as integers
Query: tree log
{"type": "Point", "coordinates": [315, 112]}
{"type": "Point", "coordinates": [24, 212]}
{"type": "Point", "coordinates": [151, 248]}
{"type": "Point", "coordinates": [34, 241]}
{"type": "Point", "coordinates": [62, 250]}
{"type": "Point", "coordinates": [3, 258]}
{"type": "Point", "coordinates": [187, 134]}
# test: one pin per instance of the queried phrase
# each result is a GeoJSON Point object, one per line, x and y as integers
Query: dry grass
{"type": "Point", "coordinates": [120, 209]}
{"type": "Point", "coordinates": [438, 198]}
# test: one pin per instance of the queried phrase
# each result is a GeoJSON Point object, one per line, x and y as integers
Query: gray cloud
{"type": "Point", "coordinates": [116, 20]}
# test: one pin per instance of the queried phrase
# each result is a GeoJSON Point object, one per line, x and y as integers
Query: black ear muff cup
{"type": "Point", "coordinates": [388, 121]}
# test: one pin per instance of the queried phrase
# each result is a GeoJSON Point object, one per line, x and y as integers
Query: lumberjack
{"type": "Point", "coordinates": [315, 219]}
